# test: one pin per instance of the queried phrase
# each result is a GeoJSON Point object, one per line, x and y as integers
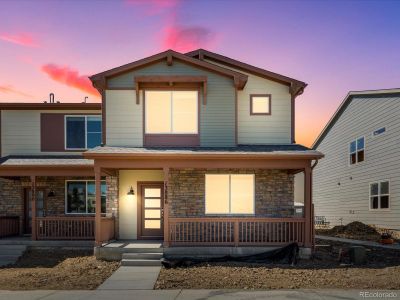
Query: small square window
{"type": "Point", "coordinates": [260, 104]}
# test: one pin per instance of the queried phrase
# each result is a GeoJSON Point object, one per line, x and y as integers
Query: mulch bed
{"type": "Point", "coordinates": [381, 271]}
{"type": "Point", "coordinates": [56, 269]}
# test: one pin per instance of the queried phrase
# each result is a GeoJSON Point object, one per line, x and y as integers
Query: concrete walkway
{"type": "Point", "coordinates": [358, 242]}
{"type": "Point", "coordinates": [196, 294]}
{"type": "Point", "coordinates": [132, 278]}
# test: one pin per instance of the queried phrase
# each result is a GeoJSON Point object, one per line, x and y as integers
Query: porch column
{"type": "Point", "coordinates": [33, 207]}
{"type": "Point", "coordinates": [97, 178]}
{"type": "Point", "coordinates": [166, 208]}
{"type": "Point", "coordinates": [309, 222]}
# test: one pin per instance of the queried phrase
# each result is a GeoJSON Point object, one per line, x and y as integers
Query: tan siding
{"type": "Point", "coordinates": [273, 129]}
{"type": "Point", "coordinates": [20, 131]}
{"type": "Point", "coordinates": [123, 119]}
{"type": "Point", "coordinates": [361, 118]}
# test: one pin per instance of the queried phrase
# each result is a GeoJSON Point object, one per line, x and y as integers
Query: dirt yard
{"type": "Point", "coordinates": [354, 230]}
{"type": "Point", "coordinates": [56, 270]}
{"type": "Point", "coordinates": [324, 271]}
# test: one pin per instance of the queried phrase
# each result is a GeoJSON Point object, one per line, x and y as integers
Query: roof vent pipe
{"type": "Point", "coordinates": [51, 97]}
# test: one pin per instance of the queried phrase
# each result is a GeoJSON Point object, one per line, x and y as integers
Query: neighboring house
{"type": "Point", "coordinates": [358, 180]}
{"type": "Point", "coordinates": [197, 149]}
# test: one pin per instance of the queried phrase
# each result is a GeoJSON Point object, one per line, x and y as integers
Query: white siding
{"type": "Point", "coordinates": [271, 129]}
{"type": "Point", "coordinates": [382, 161]}
{"type": "Point", "coordinates": [124, 119]}
{"type": "Point", "coordinates": [20, 131]}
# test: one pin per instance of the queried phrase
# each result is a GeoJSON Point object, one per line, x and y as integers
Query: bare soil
{"type": "Point", "coordinates": [354, 230]}
{"type": "Point", "coordinates": [56, 270]}
{"type": "Point", "coordinates": [381, 271]}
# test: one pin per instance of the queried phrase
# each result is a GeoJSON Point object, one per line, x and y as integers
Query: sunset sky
{"type": "Point", "coordinates": [334, 46]}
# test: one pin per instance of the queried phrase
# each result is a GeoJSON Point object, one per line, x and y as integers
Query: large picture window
{"type": "Point", "coordinates": [81, 197]}
{"type": "Point", "coordinates": [379, 195]}
{"type": "Point", "coordinates": [229, 194]}
{"type": "Point", "coordinates": [171, 112]}
{"type": "Point", "coordinates": [82, 132]}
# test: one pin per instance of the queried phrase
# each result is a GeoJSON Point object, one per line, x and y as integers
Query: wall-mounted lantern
{"type": "Point", "coordinates": [51, 194]}
{"type": "Point", "coordinates": [131, 191]}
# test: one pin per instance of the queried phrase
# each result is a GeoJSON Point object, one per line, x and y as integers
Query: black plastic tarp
{"type": "Point", "coordinates": [288, 254]}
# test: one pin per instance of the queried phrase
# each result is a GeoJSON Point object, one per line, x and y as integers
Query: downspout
{"type": "Point", "coordinates": [314, 165]}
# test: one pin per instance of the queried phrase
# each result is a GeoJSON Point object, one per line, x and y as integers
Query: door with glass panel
{"type": "Point", "coordinates": [40, 207]}
{"type": "Point", "coordinates": [151, 204]}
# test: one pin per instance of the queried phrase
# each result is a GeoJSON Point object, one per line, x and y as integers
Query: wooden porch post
{"type": "Point", "coordinates": [33, 207]}
{"type": "Point", "coordinates": [309, 222]}
{"type": "Point", "coordinates": [166, 209]}
{"type": "Point", "coordinates": [97, 178]}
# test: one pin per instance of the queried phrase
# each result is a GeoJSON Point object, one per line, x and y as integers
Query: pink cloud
{"type": "Point", "coordinates": [70, 77]}
{"type": "Point", "coordinates": [186, 38]}
{"type": "Point", "coordinates": [22, 39]}
{"type": "Point", "coordinates": [154, 7]}
{"type": "Point", "coordinates": [9, 89]}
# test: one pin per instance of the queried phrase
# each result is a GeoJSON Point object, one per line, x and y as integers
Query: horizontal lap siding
{"type": "Point", "coordinates": [270, 129]}
{"type": "Point", "coordinates": [217, 118]}
{"type": "Point", "coordinates": [382, 161]}
{"type": "Point", "coordinates": [20, 131]}
{"type": "Point", "coordinates": [123, 119]}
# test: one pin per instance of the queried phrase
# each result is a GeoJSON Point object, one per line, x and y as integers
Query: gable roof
{"type": "Point", "coordinates": [100, 78]}
{"type": "Point", "coordinates": [296, 86]}
{"type": "Point", "coordinates": [346, 102]}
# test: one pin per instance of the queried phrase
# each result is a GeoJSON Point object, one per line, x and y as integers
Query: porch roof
{"type": "Point", "coordinates": [240, 151]}
{"type": "Point", "coordinates": [45, 160]}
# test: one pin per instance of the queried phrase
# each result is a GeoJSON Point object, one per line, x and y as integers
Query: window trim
{"type": "Point", "coordinates": [379, 195]}
{"type": "Point", "coordinates": [349, 151]}
{"type": "Point", "coordinates": [86, 197]}
{"type": "Point", "coordinates": [86, 133]}
{"type": "Point", "coordinates": [269, 96]}
{"type": "Point", "coordinates": [145, 112]}
{"type": "Point", "coordinates": [230, 213]}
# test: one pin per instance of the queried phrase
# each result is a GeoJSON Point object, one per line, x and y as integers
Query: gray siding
{"type": "Point", "coordinates": [217, 118]}
{"type": "Point", "coordinates": [382, 162]}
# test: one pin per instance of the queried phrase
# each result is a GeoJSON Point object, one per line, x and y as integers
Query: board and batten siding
{"type": "Point", "coordinates": [217, 118]}
{"type": "Point", "coordinates": [350, 201]}
{"type": "Point", "coordinates": [270, 129]}
{"type": "Point", "coordinates": [20, 131]}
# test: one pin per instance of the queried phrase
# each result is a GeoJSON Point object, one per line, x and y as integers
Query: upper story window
{"type": "Point", "coordinates": [379, 131]}
{"type": "Point", "coordinates": [82, 132]}
{"type": "Point", "coordinates": [229, 194]}
{"type": "Point", "coordinates": [260, 104]}
{"type": "Point", "coordinates": [357, 151]}
{"type": "Point", "coordinates": [171, 112]}
{"type": "Point", "coordinates": [379, 195]}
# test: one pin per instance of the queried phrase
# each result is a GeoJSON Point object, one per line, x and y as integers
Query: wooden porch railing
{"type": "Point", "coordinates": [72, 228]}
{"type": "Point", "coordinates": [235, 231]}
{"type": "Point", "coordinates": [9, 226]}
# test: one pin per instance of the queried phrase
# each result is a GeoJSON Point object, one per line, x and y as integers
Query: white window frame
{"type": "Point", "coordinates": [172, 109]}
{"type": "Point", "coordinates": [230, 213]}
{"type": "Point", "coordinates": [86, 133]}
{"type": "Point", "coordinates": [86, 196]}
{"type": "Point", "coordinates": [350, 153]}
{"type": "Point", "coordinates": [379, 195]}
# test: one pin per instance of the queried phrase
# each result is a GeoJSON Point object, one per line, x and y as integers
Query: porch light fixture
{"type": "Point", "coordinates": [131, 191]}
{"type": "Point", "coordinates": [51, 194]}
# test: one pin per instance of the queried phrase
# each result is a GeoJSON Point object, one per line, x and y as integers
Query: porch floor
{"type": "Point", "coordinates": [134, 244]}
{"type": "Point", "coordinates": [27, 241]}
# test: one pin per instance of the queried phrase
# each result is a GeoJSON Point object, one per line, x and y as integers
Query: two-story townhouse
{"type": "Point", "coordinates": [358, 180]}
{"type": "Point", "coordinates": [197, 149]}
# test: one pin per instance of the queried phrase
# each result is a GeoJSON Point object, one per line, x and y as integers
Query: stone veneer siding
{"type": "Point", "coordinates": [12, 195]}
{"type": "Point", "coordinates": [274, 191]}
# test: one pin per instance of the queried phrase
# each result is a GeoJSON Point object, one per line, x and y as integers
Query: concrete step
{"type": "Point", "coordinates": [140, 262]}
{"type": "Point", "coordinates": [142, 250]}
{"type": "Point", "coordinates": [154, 256]}
{"type": "Point", "coordinates": [11, 251]}
{"type": "Point", "coordinates": [12, 247]}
